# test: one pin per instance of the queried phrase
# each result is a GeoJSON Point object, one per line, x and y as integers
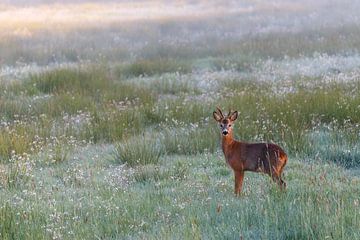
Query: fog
{"type": "Point", "coordinates": [259, 16]}
{"type": "Point", "coordinates": [46, 32]}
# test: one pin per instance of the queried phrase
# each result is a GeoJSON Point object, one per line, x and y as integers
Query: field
{"type": "Point", "coordinates": [106, 127]}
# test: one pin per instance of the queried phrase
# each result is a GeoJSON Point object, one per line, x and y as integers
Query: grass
{"type": "Point", "coordinates": [124, 146]}
{"type": "Point", "coordinates": [187, 196]}
{"type": "Point", "coordinates": [124, 109]}
{"type": "Point", "coordinates": [139, 151]}
{"type": "Point", "coordinates": [150, 67]}
{"type": "Point", "coordinates": [336, 148]}
{"type": "Point", "coordinates": [189, 140]}
{"type": "Point", "coordinates": [288, 118]}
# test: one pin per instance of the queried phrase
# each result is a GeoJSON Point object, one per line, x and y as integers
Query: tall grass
{"type": "Point", "coordinates": [94, 82]}
{"type": "Point", "coordinates": [139, 151]}
{"type": "Point", "coordinates": [147, 148]}
{"type": "Point", "coordinates": [85, 103]}
{"type": "Point", "coordinates": [119, 109]}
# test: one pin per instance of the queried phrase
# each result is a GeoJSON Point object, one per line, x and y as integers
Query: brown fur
{"type": "Point", "coordinates": [266, 158]}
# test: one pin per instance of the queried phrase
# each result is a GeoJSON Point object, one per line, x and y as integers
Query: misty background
{"type": "Point", "coordinates": [44, 32]}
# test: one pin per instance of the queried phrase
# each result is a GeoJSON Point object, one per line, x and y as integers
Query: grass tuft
{"type": "Point", "coordinates": [139, 150]}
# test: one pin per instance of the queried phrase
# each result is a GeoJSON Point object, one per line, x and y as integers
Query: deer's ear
{"type": "Point", "coordinates": [217, 116]}
{"type": "Point", "coordinates": [234, 116]}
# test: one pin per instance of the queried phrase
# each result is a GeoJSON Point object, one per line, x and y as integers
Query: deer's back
{"type": "Point", "coordinates": [259, 157]}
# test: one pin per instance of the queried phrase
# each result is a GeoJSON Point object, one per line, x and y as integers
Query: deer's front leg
{"type": "Point", "coordinates": [239, 177]}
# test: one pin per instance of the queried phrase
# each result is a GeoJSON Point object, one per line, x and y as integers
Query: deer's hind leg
{"type": "Point", "coordinates": [276, 177]}
{"type": "Point", "coordinates": [279, 181]}
{"type": "Point", "coordinates": [283, 161]}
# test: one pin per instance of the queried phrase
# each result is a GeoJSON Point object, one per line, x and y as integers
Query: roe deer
{"type": "Point", "coordinates": [266, 158]}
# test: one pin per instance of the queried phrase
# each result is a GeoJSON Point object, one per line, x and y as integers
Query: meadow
{"type": "Point", "coordinates": [106, 127]}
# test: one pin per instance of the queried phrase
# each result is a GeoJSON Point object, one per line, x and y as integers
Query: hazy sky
{"type": "Point", "coordinates": [35, 2]}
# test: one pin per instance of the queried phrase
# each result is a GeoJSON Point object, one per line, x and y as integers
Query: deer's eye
{"type": "Point", "coordinates": [221, 125]}
{"type": "Point", "coordinates": [229, 125]}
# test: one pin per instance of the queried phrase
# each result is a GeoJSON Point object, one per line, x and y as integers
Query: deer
{"type": "Point", "coordinates": [267, 158]}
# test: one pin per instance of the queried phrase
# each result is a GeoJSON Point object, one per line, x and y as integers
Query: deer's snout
{"type": "Point", "coordinates": [225, 132]}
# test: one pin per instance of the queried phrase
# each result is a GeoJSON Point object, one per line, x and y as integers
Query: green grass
{"type": "Point", "coordinates": [187, 196]}
{"type": "Point", "coordinates": [140, 150]}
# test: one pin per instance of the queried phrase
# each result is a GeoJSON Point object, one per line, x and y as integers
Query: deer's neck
{"type": "Point", "coordinates": [227, 142]}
